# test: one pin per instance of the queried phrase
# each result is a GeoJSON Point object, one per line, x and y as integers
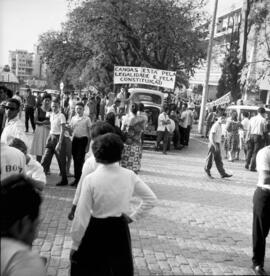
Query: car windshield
{"type": "Point", "coordinates": [146, 97]}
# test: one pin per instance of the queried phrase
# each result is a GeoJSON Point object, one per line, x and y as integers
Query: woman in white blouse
{"type": "Point", "coordinates": [100, 232]}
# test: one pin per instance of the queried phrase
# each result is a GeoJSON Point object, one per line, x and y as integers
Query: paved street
{"type": "Point", "coordinates": [199, 226]}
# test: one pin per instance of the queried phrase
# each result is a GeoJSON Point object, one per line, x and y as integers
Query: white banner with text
{"type": "Point", "coordinates": [142, 75]}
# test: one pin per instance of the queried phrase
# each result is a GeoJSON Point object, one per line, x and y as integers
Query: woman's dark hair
{"type": "Point", "coordinates": [108, 148]}
{"type": "Point", "coordinates": [100, 128]}
{"type": "Point", "coordinates": [261, 110]}
{"type": "Point", "coordinates": [165, 108]}
{"type": "Point", "coordinates": [245, 114]}
{"type": "Point", "coordinates": [19, 144]}
{"type": "Point", "coordinates": [12, 100]}
{"type": "Point", "coordinates": [110, 118]}
{"type": "Point", "coordinates": [19, 198]}
{"type": "Point", "coordinates": [46, 96]}
{"type": "Point", "coordinates": [134, 108]}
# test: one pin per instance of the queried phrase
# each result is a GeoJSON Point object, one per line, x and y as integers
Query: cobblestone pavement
{"type": "Point", "coordinates": [200, 226]}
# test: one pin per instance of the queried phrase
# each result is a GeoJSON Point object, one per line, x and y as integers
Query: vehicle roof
{"type": "Point", "coordinates": [51, 91]}
{"type": "Point", "coordinates": [146, 104]}
{"type": "Point", "coordinates": [246, 107]}
{"type": "Point", "coordinates": [144, 90]}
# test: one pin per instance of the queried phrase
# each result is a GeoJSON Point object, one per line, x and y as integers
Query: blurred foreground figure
{"type": "Point", "coordinates": [20, 204]}
{"type": "Point", "coordinates": [100, 232]}
{"type": "Point", "coordinates": [261, 210]}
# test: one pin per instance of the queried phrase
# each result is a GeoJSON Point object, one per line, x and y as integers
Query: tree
{"type": "Point", "coordinates": [231, 69]}
{"type": "Point", "coordinates": [62, 57]}
{"type": "Point", "coordinates": [6, 68]}
{"type": "Point", "coordinates": [99, 34]}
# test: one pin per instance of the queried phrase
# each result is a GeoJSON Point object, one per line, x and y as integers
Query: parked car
{"type": "Point", "coordinates": [153, 101]}
{"type": "Point", "coordinates": [251, 109]}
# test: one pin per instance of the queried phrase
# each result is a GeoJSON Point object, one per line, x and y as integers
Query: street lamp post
{"type": "Point", "coordinates": [209, 55]}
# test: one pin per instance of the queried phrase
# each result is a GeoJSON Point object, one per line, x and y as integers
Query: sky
{"type": "Point", "coordinates": [22, 21]}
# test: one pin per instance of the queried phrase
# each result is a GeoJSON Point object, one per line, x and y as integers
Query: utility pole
{"type": "Point", "coordinates": [209, 55]}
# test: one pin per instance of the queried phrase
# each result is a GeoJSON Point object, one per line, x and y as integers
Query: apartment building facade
{"type": "Point", "coordinates": [21, 64]}
{"type": "Point", "coordinates": [228, 23]}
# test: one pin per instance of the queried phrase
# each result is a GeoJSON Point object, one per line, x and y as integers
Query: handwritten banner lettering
{"type": "Point", "coordinates": [142, 75]}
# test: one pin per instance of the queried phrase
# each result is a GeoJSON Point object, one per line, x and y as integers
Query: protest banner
{"type": "Point", "coordinates": [142, 75]}
{"type": "Point", "coordinates": [222, 100]}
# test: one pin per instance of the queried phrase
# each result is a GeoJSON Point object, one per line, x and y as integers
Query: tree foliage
{"type": "Point", "coordinates": [99, 34]}
{"type": "Point", "coordinates": [231, 68]}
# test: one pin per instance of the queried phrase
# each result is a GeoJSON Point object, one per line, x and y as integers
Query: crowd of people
{"type": "Point", "coordinates": [105, 172]}
{"type": "Point", "coordinates": [105, 141]}
{"type": "Point", "coordinates": [246, 133]}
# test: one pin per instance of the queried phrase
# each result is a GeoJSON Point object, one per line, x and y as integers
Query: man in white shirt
{"type": "Point", "coordinates": [14, 127]}
{"type": "Point", "coordinates": [254, 139]}
{"type": "Point", "coordinates": [90, 164]}
{"type": "Point", "coordinates": [56, 143]}
{"type": "Point", "coordinates": [189, 121]}
{"type": "Point", "coordinates": [121, 96]}
{"type": "Point", "coordinates": [163, 129]}
{"type": "Point", "coordinates": [144, 116]}
{"type": "Point", "coordinates": [111, 98]}
{"type": "Point", "coordinates": [19, 225]}
{"type": "Point", "coordinates": [210, 120]}
{"type": "Point", "coordinates": [72, 103]}
{"type": "Point", "coordinates": [114, 108]}
{"type": "Point", "coordinates": [80, 128]}
{"type": "Point", "coordinates": [214, 147]}
{"type": "Point", "coordinates": [261, 210]}
{"type": "Point", "coordinates": [184, 122]}
{"type": "Point", "coordinates": [12, 161]}
{"type": "Point", "coordinates": [243, 132]}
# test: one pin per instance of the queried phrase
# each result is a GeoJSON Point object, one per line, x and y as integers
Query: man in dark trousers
{"type": "Point", "coordinates": [163, 129]}
{"type": "Point", "coordinates": [261, 210]}
{"type": "Point", "coordinates": [80, 128]}
{"type": "Point", "coordinates": [214, 147]}
{"type": "Point", "coordinates": [56, 143]}
{"type": "Point", "coordinates": [255, 138]}
{"type": "Point", "coordinates": [30, 105]}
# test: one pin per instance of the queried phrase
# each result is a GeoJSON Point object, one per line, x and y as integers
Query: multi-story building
{"type": "Point", "coordinates": [21, 64]}
{"type": "Point", "coordinates": [38, 65]}
{"type": "Point", "coordinates": [229, 22]}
